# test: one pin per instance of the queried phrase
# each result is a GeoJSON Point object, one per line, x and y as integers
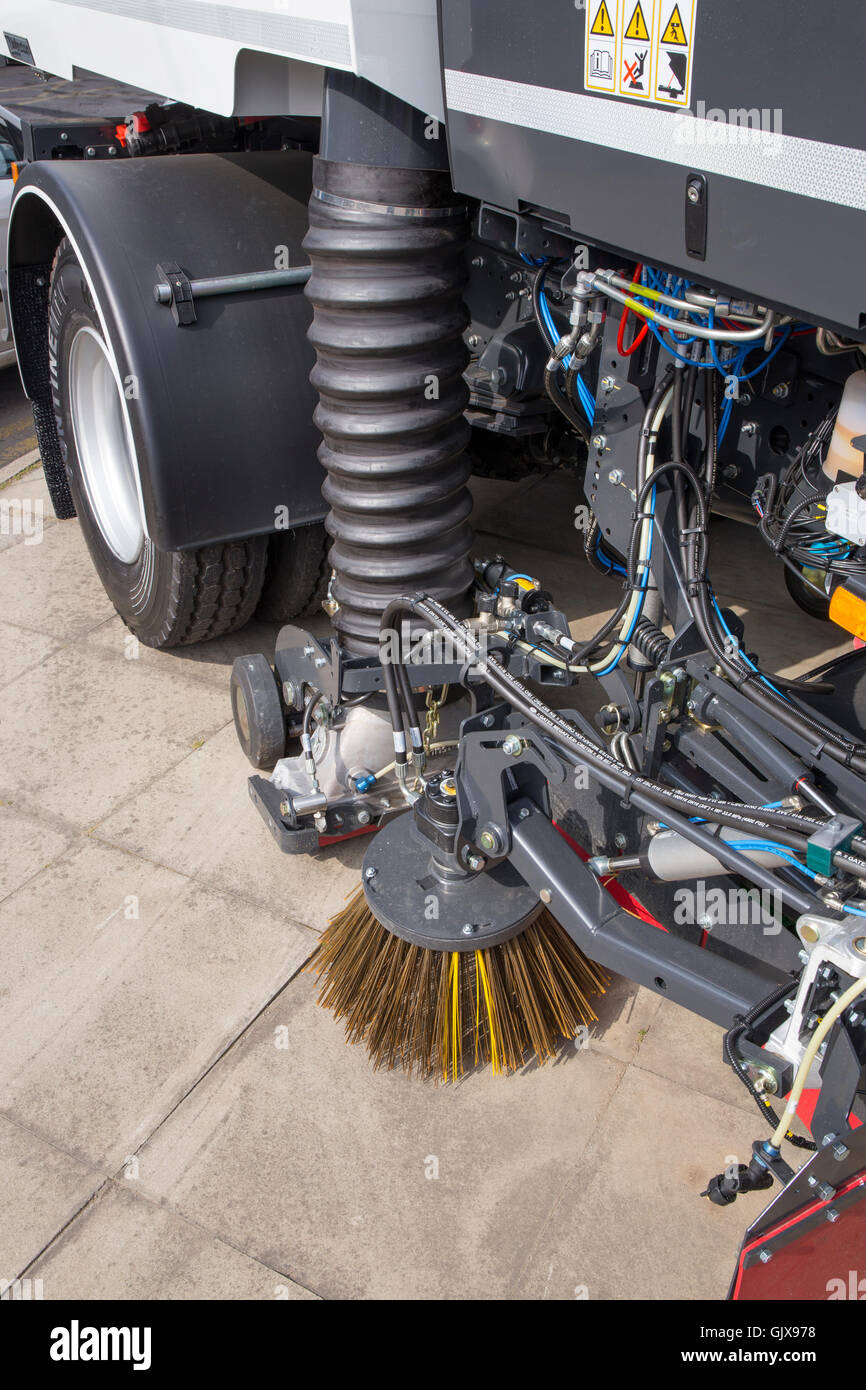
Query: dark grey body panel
{"type": "Point", "coordinates": [804, 61]}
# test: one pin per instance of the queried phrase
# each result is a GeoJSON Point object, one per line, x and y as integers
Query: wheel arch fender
{"type": "Point", "coordinates": [220, 410]}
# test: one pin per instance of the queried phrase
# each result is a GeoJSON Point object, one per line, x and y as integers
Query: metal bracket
{"type": "Point", "coordinates": [175, 289]}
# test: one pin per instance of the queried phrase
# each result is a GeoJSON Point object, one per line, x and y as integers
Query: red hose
{"type": "Point", "coordinates": [620, 337]}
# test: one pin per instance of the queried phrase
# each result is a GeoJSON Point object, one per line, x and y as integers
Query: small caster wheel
{"type": "Point", "coordinates": [260, 722]}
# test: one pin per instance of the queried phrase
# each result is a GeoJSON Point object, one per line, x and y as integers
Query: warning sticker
{"type": "Point", "coordinates": [602, 45]}
{"type": "Point", "coordinates": [636, 51]}
{"type": "Point", "coordinates": [674, 51]}
{"type": "Point", "coordinates": [641, 49]}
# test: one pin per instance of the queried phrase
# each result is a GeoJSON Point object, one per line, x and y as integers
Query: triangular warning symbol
{"type": "Point", "coordinates": [675, 32]}
{"type": "Point", "coordinates": [637, 25]}
{"type": "Point", "coordinates": [602, 23]}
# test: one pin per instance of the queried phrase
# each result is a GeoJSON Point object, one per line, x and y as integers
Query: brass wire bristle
{"type": "Point", "coordinates": [437, 1012]}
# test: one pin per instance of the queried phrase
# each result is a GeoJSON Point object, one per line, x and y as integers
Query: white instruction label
{"type": "Point", "coordinates": [641, 49]}
{"type": "Point", "coordinates": [602, 45]}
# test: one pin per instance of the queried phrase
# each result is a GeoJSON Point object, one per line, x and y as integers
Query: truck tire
{"type": "Point", "coordinates": [297, 576]}
{"type": "Point", "coordinates": [166, 597]}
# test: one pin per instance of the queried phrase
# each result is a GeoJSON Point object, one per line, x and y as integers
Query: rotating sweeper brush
{"type": "Point", "coordinates": [437, 968]}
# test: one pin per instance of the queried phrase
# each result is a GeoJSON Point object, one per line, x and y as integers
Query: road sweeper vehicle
{"type": "Point", "coordinates": [270, 327]}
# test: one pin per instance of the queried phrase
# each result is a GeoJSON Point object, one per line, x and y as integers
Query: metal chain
{"type": "Point", "coordinates": [431, 727]}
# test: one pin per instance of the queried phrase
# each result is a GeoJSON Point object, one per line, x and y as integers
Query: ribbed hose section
{"type": "Point", "coordinates": [387, 328]}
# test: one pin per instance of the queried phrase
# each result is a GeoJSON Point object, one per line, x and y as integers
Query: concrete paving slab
{"type": "Point", "coordinates": [21, 650]}
{"type": "Point", "coordinates": [25, 510]}
{"type": "Point", "coordinates": [631, 1223]}
{"type": "Point", "coordinates": [123, 1247]}
{"type": "Point", "coordinates": [207, 661]}
{"type": "Point", "coordinates": [41, 1189]}
{"type": "Point", "coordinates": [626, 1014]}
{"type": "Point", "coordinates": [373, 1185]}
{"type": "Point", "coordinates": [197, 819]}
{"type": "Point", "coordinates": [52, 587]}
{"type": "Point", "coordinates": [85, 731]}
{"type": "Point", "coordinates": [28, 846]}
{"type": "Point", "coordinates": [687, 1049]}
{"type": "Point", "coordinates": [126, 982]}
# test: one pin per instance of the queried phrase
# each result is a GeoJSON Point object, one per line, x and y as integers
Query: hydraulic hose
{"type": "Point", "coordinates": [641, 792]}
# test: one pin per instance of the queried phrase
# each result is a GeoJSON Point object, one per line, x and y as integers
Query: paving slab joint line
{"type": "Point", "coordinates": [91, 1200]}
{"type": "Point", "coordinates": [140, 1193]}
{"type": "Point", "coordinates": [573, 1177]}
{"type": "Point", "coordinates": [93, 836]}
{"type": "Point", "coordinates": [216, 1061]}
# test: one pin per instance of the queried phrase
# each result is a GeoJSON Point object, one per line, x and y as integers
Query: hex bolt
{"type": "Point", "coordinates": [749, 427]}
{"type": "Point", "coordinates": [840, 1151]}
{"type": "Point", "coordinates": [489, 840]}
{"type": "Point", "coordinates": [831, 1214]}
{"type": "Point", "coordinates": [487, 721]}
{"type": "Point", "coordinates": [782, 391]}
{"type": "Point", "coordinates": [789, 1006]}
{"type": "Point", "coordinates": [854, 1018]}
{"type": "Point", "coordinates": [826, 1192]}
{"type": "Point", "coordinates": [600, 442]}
{"type": "Point", "coordinates": [473, 340]}
{"type": "Point", "coordinates": [608, 384]}
{"type": "Point", "coordinates": [523, 813]}
{"type": "Point", "coordinates": [620, 840]}
{"type": "Point", "coordinates": [475, 862]}
{"type": "Point", "coordinates": [363, 817]}
{"type": "Point", "coordinates": [766, 1255]}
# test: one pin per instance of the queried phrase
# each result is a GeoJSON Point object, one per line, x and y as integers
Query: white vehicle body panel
{"type": "Point", "coordinates": [237, 57]}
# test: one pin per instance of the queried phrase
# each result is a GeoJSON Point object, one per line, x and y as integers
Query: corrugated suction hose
{"type": "Point", "coordinates": [387, 247]}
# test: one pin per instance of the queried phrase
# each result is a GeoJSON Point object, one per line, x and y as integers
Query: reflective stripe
{"type": "Point", "coordinates": [810, 168]}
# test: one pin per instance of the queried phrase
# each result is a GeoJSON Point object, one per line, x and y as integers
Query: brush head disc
{"type": "Point", "coordinates": [467, 912]}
